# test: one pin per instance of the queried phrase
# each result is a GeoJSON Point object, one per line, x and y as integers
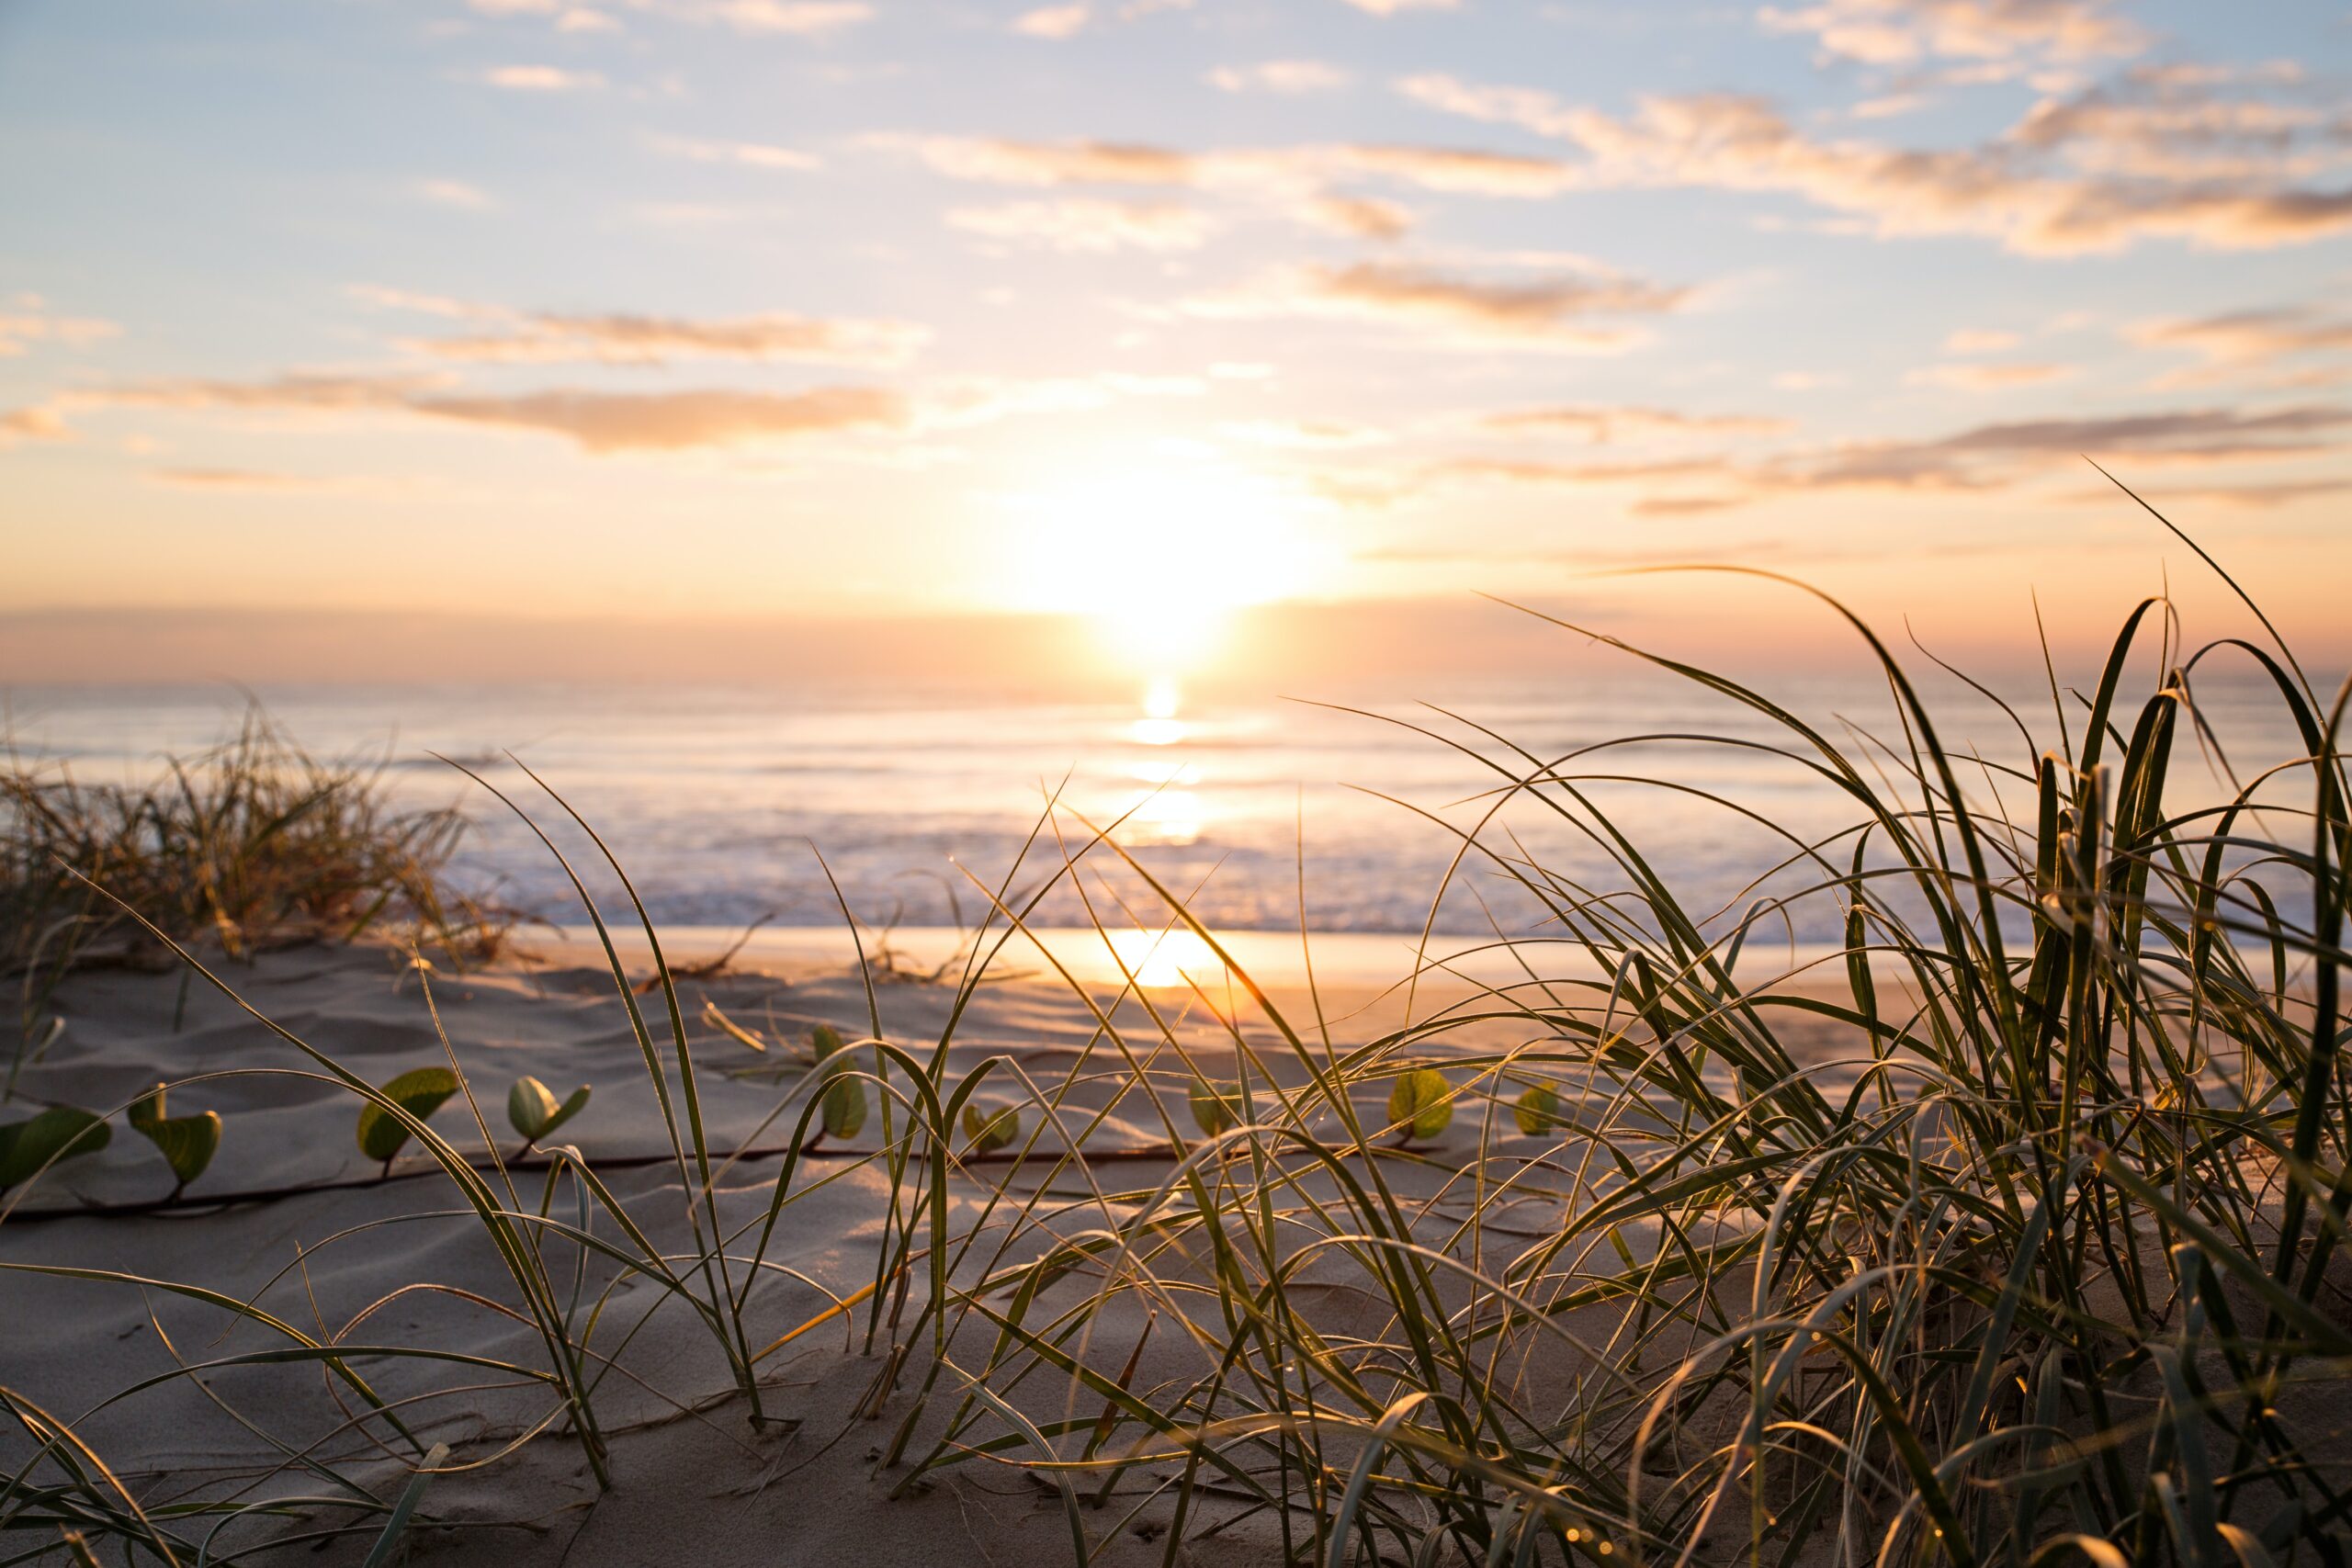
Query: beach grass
{"type": "Point", "coordinates": [250, 844]}
{"type": "Point", "coordinates": [2046, 1271]}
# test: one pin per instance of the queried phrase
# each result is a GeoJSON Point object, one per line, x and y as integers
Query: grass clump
{"type": "Point", "coordinates": [252, 844]}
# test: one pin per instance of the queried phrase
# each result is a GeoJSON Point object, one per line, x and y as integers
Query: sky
{"type": "Point", "coordinates": [821, 314]}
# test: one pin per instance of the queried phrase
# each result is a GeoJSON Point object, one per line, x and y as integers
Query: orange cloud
{"type": "Point", "coordinates": [1742, 143]}
{"type": "Point", "coordinates": [1606, 425]}
{"type": "Point", "coordinates": [550, 337]}
{"type": "Point", "coordinates": [614, 422]}
{"type": "Point", "coordinates": [1987, 378]}
{"type": "Point", "coordinates": [1547, 312]}
{"type": "Point", "coordinates": [1900, 32]}
{"type": "Point", "coordinates": [1056, 22]}
{"type": "Point", "coordinates": [541, 79]}
{"type": "Point", "coordinates": [32, 322]}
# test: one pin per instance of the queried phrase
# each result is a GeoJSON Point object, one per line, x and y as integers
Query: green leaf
{"type": "Point", "coordinates": [1419, 1105]}
{"type": "Point", "coordinates": [534, 1112]}
{"type": "Point", "coordinates": [186, 1143]}
{"type": "Point", "coordinates": [418, 1091]}
{"type": "Point", "coordinates": [844, 1102]}
{"type": "Point", "coordinates": [1214, 1110]}
{"type": "Point", "coordinates": [63, 1131]}
{"type": "Point", "coordinates": [824, 1040]}
{"type": "Point", "coordinates": [1537, 1109]}
{"type": "Point", "coordinates": [987, 1133]}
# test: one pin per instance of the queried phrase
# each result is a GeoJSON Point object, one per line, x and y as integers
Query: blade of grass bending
{"type": "Point", "coordinates": [404, 1510]}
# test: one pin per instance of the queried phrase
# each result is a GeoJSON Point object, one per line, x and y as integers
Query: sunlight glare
{"type": "Point", "coordinates": [1159, 725]}
{"type": "Point", "coordinates": [1159, 556]}
{"type": "Point", "coordinates": [1167, 958]}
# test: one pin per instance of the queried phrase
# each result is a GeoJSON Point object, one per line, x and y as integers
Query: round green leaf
{"type": "Point", "coordinates": [186, 1143]}
{"type": "Point", "coordinates": [61, 1132]}
{"type": "Point", "coordinates": [844, 1104]}
{"type": "Point", "coordinates": [418, 1091]}
{"type": "Point", "coordinates": [1537, 1109]}
{"type": "Point", "coordinates": [533, 1110]}
{"type": "Point", "coordinates": [987, 1133]}
{"type": "Point", "coordinates": [1216, 1110]}
{"type": "Point", "coordinates": [1419, 1105]}
{"type": "Point", "coordinates": [824, 1040]}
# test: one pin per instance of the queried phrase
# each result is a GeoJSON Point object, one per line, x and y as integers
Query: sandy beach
{"type": "Point", "coordinates": [827, 1477]}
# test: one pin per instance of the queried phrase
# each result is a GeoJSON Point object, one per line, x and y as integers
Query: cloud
{"type": "Point", "coordinates": [803, 18]}
{"type": "Point", "coordinates": [33, 321]}
{"type": "Point", "coordinates": [1287, 76]}
{"type": "Point", "coordinates": [614, 422]}
{"type": "Point", "coordinates": [1055, 22]}
{"type": "Point", "coordinates": [1546, 312]}
{"type": "Point", "coordinates": [550, 337]}
{"type": "Point", "coordinates": [1392, 7]}
{"type": "Point", "coordinates": [749, 154]}
{"type": "Point", "coordinates": [1979, 339]}
{"type": "Point", "coordinates": [2189, 126]}
{"type": "Point", "coordinates": [541, 79]}
{"type": "Point", "coordinates": [1280, 173]}
{"type": "Point", "coordinates": [2239, 340]}
{"type": "Point", "coordinates": [33, 424]}
{"type": "Point", "coordinates": [296, 390]}
{"type": "Point", "coordinates": [1363, 217]}
{"type": "Point", "coordinates": [2006, 189]}
{"type": "Point", "coordinates": [455, 193]}
{"type": "Point", "coordinates": [1901, 32]}
{"type": "Point", "coordinates": [242, 481]}
{"type": "Point", "coordinates": [1604, 425]}
{"type": "Point", "coordinates": [1987, 378]}
{"type": "Point", "coordinates": [1084, 225]}
{"type": "Point", "coordinates": [1976, 459]}
{"type": "Point", "coordinates": [2282, 492]}
{"type": "Point", "coordinates": [599, 422]}
{"type": "Point", "coordinates": [1303, 434]}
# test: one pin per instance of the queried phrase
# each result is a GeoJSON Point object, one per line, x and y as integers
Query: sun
{"type": "Point", "coordinates": [1159, 554]}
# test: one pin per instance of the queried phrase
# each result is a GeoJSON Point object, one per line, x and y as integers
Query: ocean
{"type": "Point", "coordinates": [719, 801]}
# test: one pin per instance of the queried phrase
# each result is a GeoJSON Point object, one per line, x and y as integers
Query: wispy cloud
{"type": "Point", "coordinates": [1089, 225]}
{"type": "Point", "coordinates": [550, 337]}
{"type": "Point", "coordinates": [1980, 340]}
{"type": "Point", "coordinates": [1979, 458]}
{"type": "Point", "coordinates": [2245, 345]}
{"type": "Point", "coordinates": [1552, 311]}
{"type": "Point", "coordinates": [803, 18]}
{"type": "Point", "coordinates": [1901, 32]}
{"type": "Point", "coordinates": [1393, 7]}
{"type": "Point", "coordinates": [27, 320]}
{"type": "Point", "coordinates": [749, 154]}
{"type": "Point", "coordinates": [455, 193]}
{"type": "Point", "coordinates": [1363, 216]}
{"type": "Point", "coordinates": [1603, 424]}
{"type": "Point", "coordinates": [2006, 189]}
{"type": "Point", "coordinates": [541, 79]}
{"type": "Point", "coordinates": [2254, 497]}
{"type": "Point", "coordinates": [1054, 22]}
{"type": "Point", "coordinates": [1275, 171]}
{"type": "Point", "coordinates": [616, 422]}
{"type": "Point", "coordinates": [1287, 76]}
{"type": "Point", "coordinates": [1987, 378]}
